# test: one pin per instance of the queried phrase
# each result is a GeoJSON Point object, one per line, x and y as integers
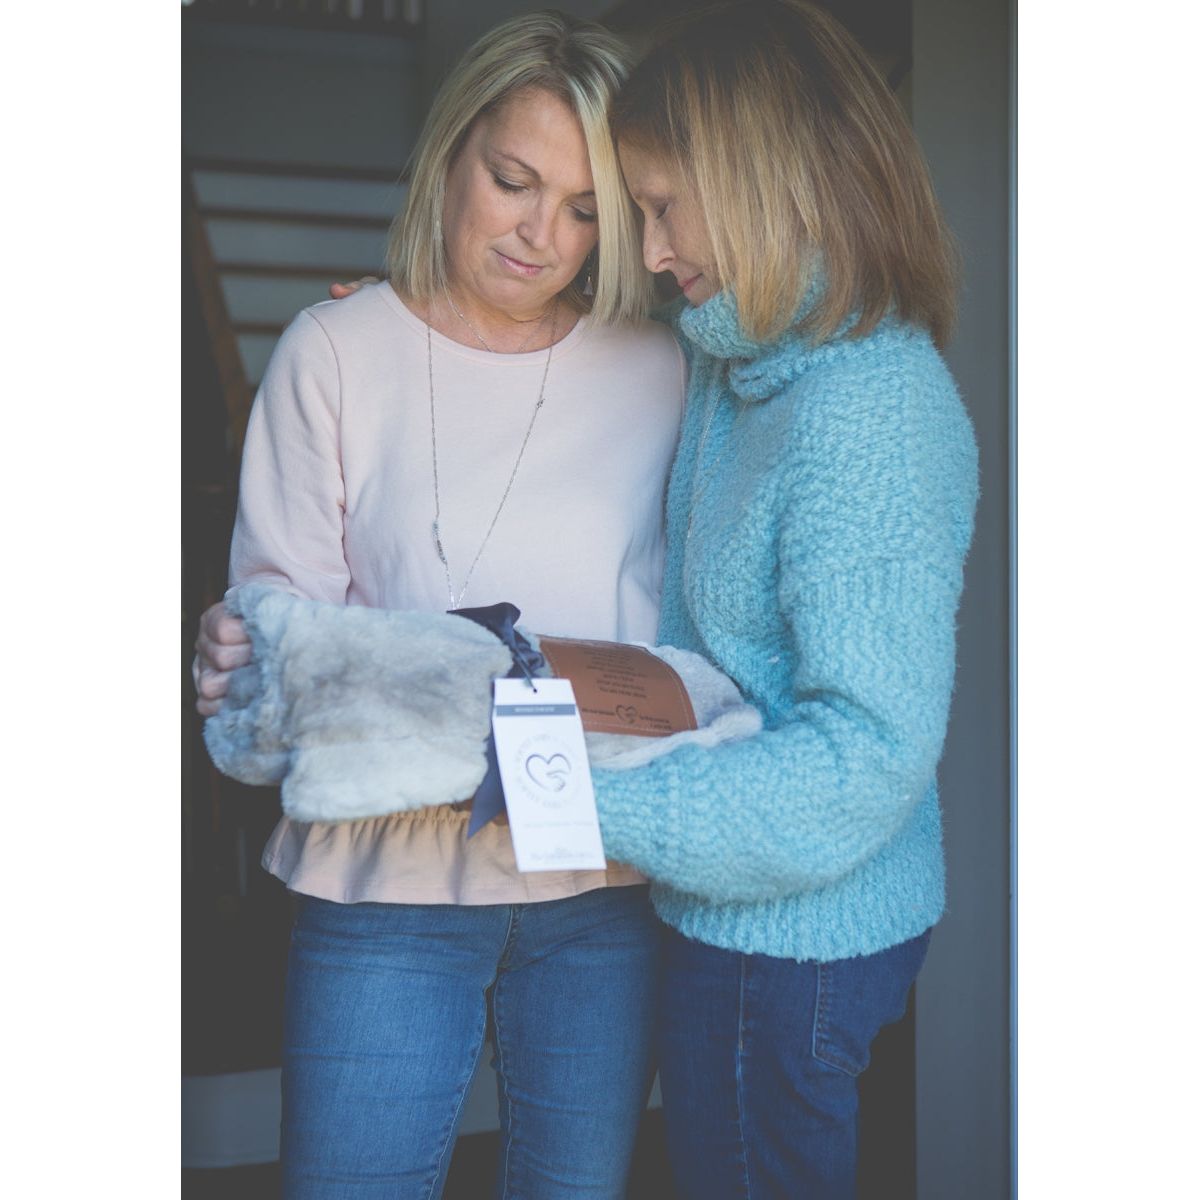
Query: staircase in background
{"type": "Point", "coordinates": [262, 240]}
{"type": "Point", "coordinates": [275, 235]}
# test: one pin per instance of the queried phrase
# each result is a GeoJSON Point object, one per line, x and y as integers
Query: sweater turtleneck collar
{"type": "Point", "coordinates": [757, 370]}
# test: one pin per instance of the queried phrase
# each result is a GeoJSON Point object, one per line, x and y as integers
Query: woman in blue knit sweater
{"type": "Point", "coordinates": [819, 514]}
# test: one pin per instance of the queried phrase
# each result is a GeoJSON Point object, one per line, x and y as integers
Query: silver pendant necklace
{"type": "Point", "coordinates": [456, 599]}
{"type": "Point", "coordinates": [483, 341]}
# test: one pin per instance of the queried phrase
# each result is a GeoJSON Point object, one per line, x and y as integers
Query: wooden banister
{"type": "Point", "coordinates": [235, 388]}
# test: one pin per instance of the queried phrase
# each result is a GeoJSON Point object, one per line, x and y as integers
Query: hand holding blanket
{"type": "Point", "coordinates": [360, 712]}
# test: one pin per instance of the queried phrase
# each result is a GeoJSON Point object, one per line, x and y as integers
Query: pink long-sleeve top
{"type": "Point", "coordinates": [337, 504]}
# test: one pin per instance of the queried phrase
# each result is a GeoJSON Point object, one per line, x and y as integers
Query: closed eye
{"type": "Point", "coordinates": [507, 185]}
{"type": "Point", "coordinates": [653, 210]}
{"type": "Point", "coordinates": [582, 214]}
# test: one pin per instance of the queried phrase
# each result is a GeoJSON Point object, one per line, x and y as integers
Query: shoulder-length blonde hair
{"type": "Point", "coordinates": [581, 64]}
{"type": "Point", "coordinates": [801, 159]}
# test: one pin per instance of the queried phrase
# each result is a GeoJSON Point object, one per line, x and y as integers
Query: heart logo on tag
{"type": "Point", "coordinates": [550, 774]}
{"type": "Point", "coordinates": [627, 713]}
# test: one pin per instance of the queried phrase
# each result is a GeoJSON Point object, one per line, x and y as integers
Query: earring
{"type": "Point", "coordinates": [589, 285]}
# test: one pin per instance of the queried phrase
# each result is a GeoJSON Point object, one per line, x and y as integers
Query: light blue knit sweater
{"type": "Point", "coordinates": [815, 555]}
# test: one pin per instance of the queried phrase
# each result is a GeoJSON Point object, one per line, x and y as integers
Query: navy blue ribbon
{"type": "Point", "coordinates": [500, 619]}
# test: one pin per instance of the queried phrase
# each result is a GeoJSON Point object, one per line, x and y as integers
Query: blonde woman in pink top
{"type": "Point", "coordinates": [494, 422]}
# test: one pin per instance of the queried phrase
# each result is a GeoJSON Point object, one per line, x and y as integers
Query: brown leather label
{"type": "Point", "coordinates": [621, 688]}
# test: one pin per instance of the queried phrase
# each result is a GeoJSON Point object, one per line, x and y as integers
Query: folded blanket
{"type": "Point", "coordinates": [360, 712]}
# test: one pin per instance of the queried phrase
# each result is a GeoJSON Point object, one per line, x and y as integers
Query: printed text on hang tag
{"type": "Point", "coordinates": [546, 778]}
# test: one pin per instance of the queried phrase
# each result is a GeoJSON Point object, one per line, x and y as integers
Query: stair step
{"type": "Point", "coordinates": [299, 193]}
{"type": "Point", "coordinates": [287, 244]}
{"type": "Point", "coordinates": [332, 220]}
{"type": "Point", "coordinates": [275, 299]}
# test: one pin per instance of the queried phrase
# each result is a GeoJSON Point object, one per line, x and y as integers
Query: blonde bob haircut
{"type": "Point", "coordinates": [801, 160]}
{"type": "Point", "coordinates": [579, 63]}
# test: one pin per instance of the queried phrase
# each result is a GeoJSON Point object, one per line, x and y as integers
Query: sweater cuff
{"type": "Point", "coordinates": [637, 818]}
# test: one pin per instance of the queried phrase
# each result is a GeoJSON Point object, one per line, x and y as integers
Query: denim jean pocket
{"type": "Point", "coordinates": [856, 997]}
{"type": "Point", "coordinates": [835, 1038]}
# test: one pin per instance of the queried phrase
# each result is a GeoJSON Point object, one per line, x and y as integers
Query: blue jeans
{"type": "Point", "coordinates": [759, 1063]}
{"type": "Point", "coordinates": [386, 1013]}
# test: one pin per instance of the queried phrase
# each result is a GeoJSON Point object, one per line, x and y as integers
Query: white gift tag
{"type": "Point", "coordinates": [546, 778]}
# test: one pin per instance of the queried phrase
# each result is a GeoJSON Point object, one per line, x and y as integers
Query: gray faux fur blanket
{"type": "Point", "coordinates": [360, 712]}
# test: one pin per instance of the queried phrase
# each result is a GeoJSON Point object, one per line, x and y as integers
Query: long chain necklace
{"type": "Point", "coordinates": [483, 341]}
{"type": "Point", "coordinates": [456, 600]}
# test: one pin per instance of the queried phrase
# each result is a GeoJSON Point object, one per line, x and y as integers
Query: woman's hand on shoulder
{"type": "Point", "coordinates": [339, 291]}
{"type": "Point", "coordinates": [221, 647]}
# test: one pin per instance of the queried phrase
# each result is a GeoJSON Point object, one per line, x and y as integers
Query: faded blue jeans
{"type": "Point", "coordinates": [759, 1064]}
{"type": "Point", "coordinates": [387, 1008]}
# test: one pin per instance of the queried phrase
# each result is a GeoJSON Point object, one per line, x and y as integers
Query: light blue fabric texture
{"type": "Point", "coordinates": [819, 514]}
